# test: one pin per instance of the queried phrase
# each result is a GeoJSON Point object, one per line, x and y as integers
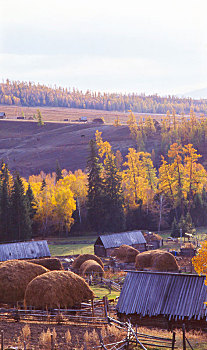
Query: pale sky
{"type": "Point", "coordinates": [148, 46]}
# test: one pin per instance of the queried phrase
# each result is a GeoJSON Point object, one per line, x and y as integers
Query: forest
{"type": "Point", "coordinates": [115, 193]}
{"type": "Point", "coordinates": [29, 94]}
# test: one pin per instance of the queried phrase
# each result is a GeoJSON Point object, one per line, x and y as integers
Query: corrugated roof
{"type": "Point", "coordinates": [117, 239]}
{"type": "Point", "coordinates": [24, 250]}
{"type": "Point", "coordinates": [168, 294]}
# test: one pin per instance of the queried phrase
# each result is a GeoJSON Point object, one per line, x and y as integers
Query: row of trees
{"type": "Point", "coordinates": [30, 94]}
{"type": "Point", "coordinates": [157, 137]}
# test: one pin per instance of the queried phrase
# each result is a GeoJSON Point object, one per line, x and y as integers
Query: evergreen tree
{"type": "Point", "coordinates": [29, 197]}
{"type": "Point", "coordinates": [58, 172]}
{"type": "Point", "coordinates": [4, 207]}
{"type": "Point", "coordinates": [175, 231]}
{"type": "Point", "coordinates": [113, 199]}
{"type": "Point", "coordinates": [95, 203]}
{"type": "Point", "coordinates": [20, 216]}
{"type": "Point", "coordinates": [43, 184]}
{"type": "Point", "coordinates": [39, 118]}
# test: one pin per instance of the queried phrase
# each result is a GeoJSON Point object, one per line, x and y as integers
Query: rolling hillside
{"type": "Point", "coordinates": [29, 148]}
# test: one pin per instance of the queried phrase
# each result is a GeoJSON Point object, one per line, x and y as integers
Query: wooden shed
{"type": "Point", "coordinates": [105, 244]}
{"type": "Point", "coordinates": [166, 300]}
{"type": "Point", "coordinates": [24, 250]}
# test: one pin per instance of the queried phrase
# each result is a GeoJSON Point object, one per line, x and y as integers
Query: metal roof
{"type": "Point", "coordinates": [24, 250]}
{"type": "Point", "coordinates": [117, 239]}
{"type": "Point", "coordinates": [168, 294]}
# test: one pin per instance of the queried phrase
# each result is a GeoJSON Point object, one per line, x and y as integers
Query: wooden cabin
{"type": "Point", "coordinates": [163, 299]}
{"type": "Point", "coordinates": [105, 244]}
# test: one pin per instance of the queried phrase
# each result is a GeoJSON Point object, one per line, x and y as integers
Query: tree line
{"type": "Point", "coordinates": [29, 94]}
{"type": "Point", "coordinates": [157, 137]}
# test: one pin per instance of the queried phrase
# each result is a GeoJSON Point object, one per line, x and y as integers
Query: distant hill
{"type": "Point", "coordinates": [34, 95]}
{"type": "Point", "coordinates": [197, 94]}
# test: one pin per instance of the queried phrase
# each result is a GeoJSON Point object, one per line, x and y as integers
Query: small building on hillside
{"type": "Point", "coordinates": [98, 120]}
{"type": "Point", "coordinates": [24, 250]}
{"type": "Point", "coordinates": [163, 299]}
{"type": "Point", "coordinates": [105, 244]}
{"type": "Point", "coordinates": [83, 119]}
{"type": "Point", "coordinates": [2, 115]}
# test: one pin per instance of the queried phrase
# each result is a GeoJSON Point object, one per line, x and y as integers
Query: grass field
{"type": "Point", "coordinates": [100, 292]}
{"type": "Point", "coordinates": [71, 249]}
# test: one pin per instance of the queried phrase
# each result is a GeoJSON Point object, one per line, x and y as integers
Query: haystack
{"type": "Point", "coordinates": [125, 253]}
{"type": "Point", "coordinates": [50, 263]}
{"type": "Point", "coordinates": [156, 260]}
{"type": "Point", "coordinates": [14, 278]}
{"type": "Point", "coordinates": [91, 267]}
{"type": "Point", "coordinates": [152, 237]}
{"type": "Point", "coordinates": [57, 289]}
{"type": "Point", "coordinates": [82, 258]}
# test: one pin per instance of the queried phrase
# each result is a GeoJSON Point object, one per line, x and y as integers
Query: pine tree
{"type": "Point", "coordinates": [95, 190]}
{"type": "Point", "coordinates": [4, 207]}
{"type": "Point", "coordinates": [20, 216]}
{"type": "Point", "coordinates": [30, 202]}
{"type": "Point", "coordinates": [175, 232]}
{"type": "Point", "coordinates": [39, 118]}
{"type": "Point", "coordinates": [43, 184]}
{"type": "Point", "coordinates": [58, 172]}
{"type": "Point", "coordinates": [113, 198]}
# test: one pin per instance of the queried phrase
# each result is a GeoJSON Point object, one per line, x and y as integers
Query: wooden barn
{"type": "Point", "coordinates": [163, 299]}
{"type": "Point", "coordinates": [24, 250]}
{"type": "Point", "coordinates": [105, 244]}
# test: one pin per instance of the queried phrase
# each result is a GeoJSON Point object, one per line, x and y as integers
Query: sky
{"type": "Point", "coordinates": [148, 46]}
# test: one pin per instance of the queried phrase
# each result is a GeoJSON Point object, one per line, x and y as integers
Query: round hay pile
{"type": "Point", "coordinates": [125, 253]}
{"type": "Point", "coordinates": [188, 245]}
{"type": "Point", "coordinates": [57, 289]}
{"type": "Point", "coordinates": [152, 237]}
{"type": "Point", "coordinates": [156, 260]}
{"type": "Point", "coordinates": [14, 278]}
{"type": "Point", "coordinates": [82, 258]}
{"type": "Point", "coordinates": [50, 263]}
{"type": "Point", "coordinates": [91, 267]}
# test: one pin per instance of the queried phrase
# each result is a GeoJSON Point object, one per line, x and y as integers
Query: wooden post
{"type": "Point", "coordinates": [184, 343]}
{"type": "Point", "coordinates": [105, 306]}
{"type": "Point", "coordinates": [2, 340]}
{"type": "Point", "coordinates": [92, 307]}
{"type": "Point", "coordinates": [52, 342]}
{"type": "Point", "coordinates": [173, 341]}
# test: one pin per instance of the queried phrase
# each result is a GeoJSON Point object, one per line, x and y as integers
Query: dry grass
{"type": "Point", "coordinates": [58, 289]}
{"type": "Point", "coordinates": [84, 257]}
{"type": "Point", "coordinates": [125, 253]}
{"type": "Point", "coordinates": [156, 260]}
{"type": "Point", "coordinates": [50, 263]}
{"type": "Point", "coordinates": [91, 267]}
{"type": "Point", "coordinates": [45, 339]}
{"type": "Point", "coordinates": [14, 278]}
